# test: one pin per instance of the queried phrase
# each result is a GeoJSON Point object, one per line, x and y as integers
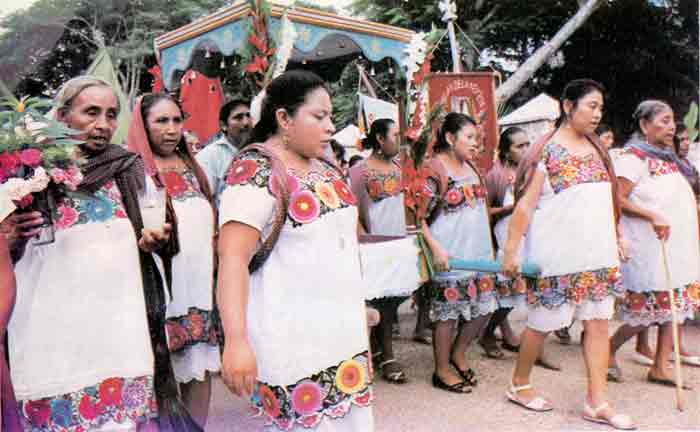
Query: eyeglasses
{"type": "Point", "coordinates": [241, 115]}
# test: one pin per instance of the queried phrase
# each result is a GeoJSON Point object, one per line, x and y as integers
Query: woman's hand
{"type": "Point", "coordinates": [152, 240]}
{"type": "Point", "coordinates": [20, 227]}
{"type": "Point", "coordinates": [441, 259]}
{"type": "Point", "coordinates": [661, 227]}
{"type": "Point", "coordinates": [510, 266]}
{"type": "Point", "coordinates": [239, 368]}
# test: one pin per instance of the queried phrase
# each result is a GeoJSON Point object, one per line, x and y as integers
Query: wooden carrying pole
{"type": "Point", "coordinates": [674, 324]}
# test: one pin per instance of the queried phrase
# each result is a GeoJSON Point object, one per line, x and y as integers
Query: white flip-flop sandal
{"type": "Point", "coordinates": [687, 360]}
{"type": "Point", "coordinates": [618, 421]}
{"type": "Point", "coordinates": [641, 359]}
{"type": "Point", "coordinates": [537, 404]}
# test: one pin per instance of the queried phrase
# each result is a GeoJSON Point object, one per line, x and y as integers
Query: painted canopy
{"type": "Point", "coordinates": [321, 36]}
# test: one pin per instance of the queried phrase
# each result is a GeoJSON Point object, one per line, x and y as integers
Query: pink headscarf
{"type": "Point", "coordinates": [137, 140]}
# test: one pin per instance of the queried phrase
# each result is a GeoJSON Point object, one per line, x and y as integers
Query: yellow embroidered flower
{"type": "Point", "coordinates": [391, 185]}
{"type": "Point", "coordinates": [350, 377]}
{"type": "Point", "coordinates": [327, 195]}
{"type": "Point", "coordinates": [568, 172]}
{"type": "Point", "coordinates": [586, 280]}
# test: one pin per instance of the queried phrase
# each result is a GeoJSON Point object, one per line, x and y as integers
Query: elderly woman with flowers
{"type": "Point", "coordinates": [79, 342]}
{"type": "Point", "coordinates": [289, 286]}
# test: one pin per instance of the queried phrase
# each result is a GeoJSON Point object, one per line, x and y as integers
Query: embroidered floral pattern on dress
{"type": "Point", "coordinates": [181, 186]}
{"type": "Point", "coordinates": [318, 192]}
{"type": "Point", "coordinates": [467, 297]}
{"type": "Point", "coordinates": [656, 167]}
{"type": "Point", "coordinates": [106, 204]}
{"type": "Point", "coordinates": [566, 170]}
{"type": "Point", "coordinates": [654, 307]}
{"type": "Point", "coordinates": [331, 392]}
{"type": "Point", "coordinates": [114, 399]}
{"type": "Point", "coordinates": [381, 186]}
{"type": "Point", "coordinates": [198, 326]}
{"type": "Point", "coordinates": [462, 194]}
{"type": "Point", "coordinates": [513, 287]}
{"type": "Point", "coordinates": [596, 285]}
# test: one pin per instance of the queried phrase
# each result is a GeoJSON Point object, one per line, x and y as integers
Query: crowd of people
{"type": "Point", "coordinates": [255, 273]}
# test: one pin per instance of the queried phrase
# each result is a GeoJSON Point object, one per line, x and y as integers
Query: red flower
{"type": "Point", "coordinates": [635, 301]}
{"type": "Point", "coordinates": [37, 412]}
{"type": "Point", "coordinates": [30, 157]}
{"type": "Point", "coordinates": [177, 336]}
{"type": "Point", "coordinates": [25, 202]}
{"type": "Point", "coordinates": [197, 326]}
{"type": "Point", "coordinates": [344, 192]}
{"type": "Point", "coordinates": [663, 300]}
{"type": "Point", "coordinates": [453, 197]}
{"type": "Point", "coordinates": [364, 399]}
{"type": "Point", "coordinates": [451, 294]}
{"type": "Point", "coordinates": [9, 162]}
{"type": "Point", "coordinates": [174, 183]}
{"type": "Point", "coordinates": [486, 284]}
{"type": "Point", "coordinates": [639, 153]}
{"type": "Point", "coordinates": [374, 188]}
{"type": "Point", "coordinates": [87, 409]}
{"type": "Point", "coordinates": [269, 401]}
{"type": "Point", "coordinates": [241, 171]}
{"type": "Point", "coordinates": [303, 207]}
{"type": "Point", "coordinates": [111, 391]}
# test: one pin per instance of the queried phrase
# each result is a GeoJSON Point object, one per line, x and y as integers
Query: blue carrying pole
{"type": "Point", "coordinates": [492, 266]}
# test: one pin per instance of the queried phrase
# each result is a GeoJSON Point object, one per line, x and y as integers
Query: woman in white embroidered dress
{"type": "Point", "coordinates": [458, 226]}
{"type": "Point", "coordinates": [376, 182]}
{"type": "Point", "coordinates": [80, 351]}
{"type": "Point", "coordinates": [290, 288]}
{"type": "Point", "coordinates": [565, 203]}
{"type": "Point", "coordinates": [659, 206]}
{"type": "Point", "coordinates": [156, 133]}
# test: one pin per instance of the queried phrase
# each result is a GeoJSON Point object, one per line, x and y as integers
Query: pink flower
{"type": "Point", "coordinates": [307, 398]}
{"type": "Point", "coordinates": [68, 216]}
{"type": "Point", "coordinates": [9, 162]}
{"type": "Point", "coordinates": [73, 177]}
{"type": "Point", "coordinates": [471, 290]}
{"type": "Point", "coordinates": [30, 157]}
{"type": "Point", "coordinates": [451, 294]}
{"type": "Point", "coordinates": [58, 175]}
{"type": "Point", "coordinates": [303, 207]}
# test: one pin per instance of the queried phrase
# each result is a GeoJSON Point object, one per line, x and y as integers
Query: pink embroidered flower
{"type": "Point", "coordinates": [177, 335]}
{"type": "Point", "coordinates": [307, 398]}
{"type": "Point", "coordinates": [303, 207]}
{"type": "Point", "coordinates": [73, 178]}
{"type": "Point", "coordinates": [9, 162]}
{"type": "Point", "coordinates": [241, 171]}
{"type": "Point", "coordinates": [111, 391]}
{"type": "Point", "coordinates": [292, 184]}
{"type": "Point", "coordinates": [119, 213]}
{"type": "Point", "coordinates": [269, 401]}
{"type": "Point", "coordinates": [364, 399]}
{"type": "Point", "coordinates": [311, 421]}
{"type": "Point", "coordinates": [471, 290]}
{"type": "Point", "coordinates": [453, 197]}
{"type": "Point", "coordinates": [451, 295]}
{"type": "Point", "coordinates": [486, 284]}
{"type": "Point", "coordinates": [30, 157]}
{"type": "Point", "coordinates": [58, 175]}
{"type": "Point", "coordinates": [67, 217]}
{"type": "Point", "coordinates": [344, 192]}
{"type": "Point", "coordinates": [37, 412]}
{"type": "Point", "coordinates": [87, 409]}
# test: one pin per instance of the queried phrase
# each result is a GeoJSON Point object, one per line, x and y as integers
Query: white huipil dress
{"type": "Point", "coordinates": [463, 228]}
{"type": "Point", "coordinates": [510, 293]}
{"type": "Point", "coordinates": [190, 326]}
{"type": "Point", "coordinates": [80, 350]}
{"type": "Point", "coordinates": [658, 186]}
{"type": "Point", "coordinates": [572, 239]}
{"type": "Point", "coordinates": [306, 311]}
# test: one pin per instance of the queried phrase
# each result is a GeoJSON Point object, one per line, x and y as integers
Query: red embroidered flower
{"type": "Point", "coordinates": [87, 409]}
{"type": "Point", "coordinates": [374, 188]}
{"type": "Point", "coordinates": [67, 217]}
{"type": "Point", "coordinates": [303, 207]}
{"type": "Point", "coordinates": [344, 192]}
{"type": "Point", "coordinates": [25, 202]}
{"type": "Point", "coordinates": [451, 294]}
{"type": "Point", "coordinates": [453, 197]}
{"type": "Point", "coordinates": [177, 335]}
{"type": "Point", "coordinates": [241, 171]}
{"type": "Point", "coordinates": [9, 162]}
{"type": "Point", "coordinates": [37, 412]}
{"type": "Point", "coordinates": [111, 391]}
{"type": "Point", "coordinates": [307, 398]}
{"type": "Point", "coordinates": [30, 157]}
{"type": "Point", "coordinates": [635, 301]}
{"type": "Point", "coordinates": [639, 153]}
{"type": "Point", "coordinates": [364, 399]}
{"type": "Point", "coordinates": [471, 290]}
{"type": "Point", "coordinates": [196, 326]}
{"type": "Point", "coordinates": [174, 183]}
{"type": "Point", "coordinates": [269, 401]}
{"type": "Point", "coordinates": [663, 300]}
{"type": "Point", "coordinates": [486, 284]}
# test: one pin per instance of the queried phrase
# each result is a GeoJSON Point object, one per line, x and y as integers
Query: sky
{"type": "Point", "coordinates": [9, 6]}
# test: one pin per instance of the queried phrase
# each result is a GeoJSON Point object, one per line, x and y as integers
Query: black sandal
{"type": "Point", "coordinates": [460, 387]}
{"type": "Point", "coordinates": [491, 349]}
{"type": "Point", "coordinates": [397, 376]}
{"type": "Point", "coordinates": [469, 376]}
{"type": "Point", "coordinates": [512, 348]}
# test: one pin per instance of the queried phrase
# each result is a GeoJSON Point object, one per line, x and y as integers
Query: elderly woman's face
{"type": "Point", "coordinates": [93, 112]}
{"type": "Point", "coordinates": [661, 129]}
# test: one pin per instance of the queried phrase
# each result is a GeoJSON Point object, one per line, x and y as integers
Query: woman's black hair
{"type": "Point", "coordinates": [506, 140]}
{"type": "Point", "coordinates": [575, 91]}
{"type": "Point", "coordinates": [647, 110]}
{"type": "Point", "coordinates": [229, 106]}
{"type": "Point", "coordinates": [603, 128]}
{"type": "Point", "coordinates": [355, 159]}
{"type": "Point", "coordinates": [380, 128]}
{"type": "Point", "coordinates": [452, 123]}
{"type": "Point", "coordinates": [680, 128]}
{"type": "Point", "coordinates": [288, 91]}
{"type": "Point", "coordinates": [148, 101]}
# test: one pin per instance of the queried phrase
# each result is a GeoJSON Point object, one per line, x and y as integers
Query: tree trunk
{"type": "Point", "coordinates": [539, 57]}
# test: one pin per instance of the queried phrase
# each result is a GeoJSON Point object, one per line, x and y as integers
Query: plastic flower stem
{"type": "Point", "coordinates": [674, 324]}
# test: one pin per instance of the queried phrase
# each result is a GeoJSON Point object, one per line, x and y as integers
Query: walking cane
{"type": "Point", "coordinates": [676, 342]}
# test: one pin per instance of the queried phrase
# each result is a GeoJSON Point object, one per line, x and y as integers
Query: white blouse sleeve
{"type": "Point", "coordinates": [629, 166]}
{"type": "Point", "coordinates": [248, 204]}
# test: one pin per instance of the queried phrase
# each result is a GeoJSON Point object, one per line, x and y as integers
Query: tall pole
{"type": "Point", "coordinates": [449, 14]}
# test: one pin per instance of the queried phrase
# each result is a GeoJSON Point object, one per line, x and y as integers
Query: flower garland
{"type": "Point", "coordinates": [260, 49]}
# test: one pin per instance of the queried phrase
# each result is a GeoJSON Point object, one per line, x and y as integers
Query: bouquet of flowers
{"type": "Point", "coordinates": [38, 158]}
